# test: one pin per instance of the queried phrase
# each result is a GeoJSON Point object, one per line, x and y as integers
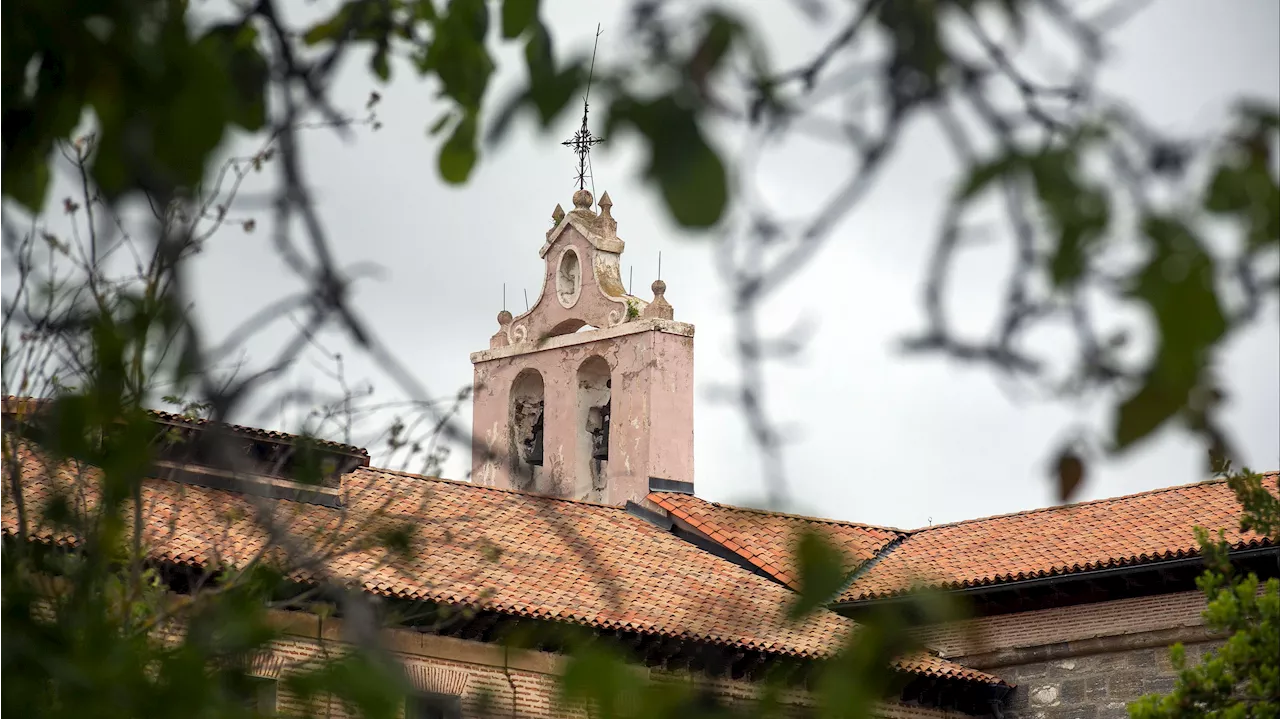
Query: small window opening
{"type": "Point", "coordinates": [257, 694]}
{"type": "Point", "coordinates": [430, 705]}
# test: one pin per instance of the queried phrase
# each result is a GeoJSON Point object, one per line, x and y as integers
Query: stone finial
{"type": "Point", "coordinates": [659, 307]}
{"type": "Point", "coordinates": [582, 200]}
{"type": "Point", "coordinates": [500, 338]}
{"type": "Point", "coordinates": [557, 214]}
{"type": "Point", "coordinates": [605, 222]}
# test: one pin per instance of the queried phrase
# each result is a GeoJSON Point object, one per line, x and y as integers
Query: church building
{"type": "Point", "coordinates": [581, 511]}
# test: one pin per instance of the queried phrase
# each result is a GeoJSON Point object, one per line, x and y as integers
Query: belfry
{"type": "Point", "coordinates": [589, 394]}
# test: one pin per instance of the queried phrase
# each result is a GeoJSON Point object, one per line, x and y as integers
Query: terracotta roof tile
{"type": "Point", "coordinates": [495, 550]}
{"type": "Point", "coordinates": [932, 666]}
{"type": "Point", "coordinates": [15, 405]}
{"type": "Point", "coordinates": [765, 539]}
{"type": "Point", "coordinates": [538, 565]}
{"type": "Point", "coordinates": [1138, 528]}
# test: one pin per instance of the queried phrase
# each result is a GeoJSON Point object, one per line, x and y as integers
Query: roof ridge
{"type": "Point", "coordinates": [473, 485]}
{"type": "Point", "coordinates": [791, 515]}
{"type": "Point", "coordinates": [13, 403]}
{"type": "Point", "coordinates": [1058, 507]}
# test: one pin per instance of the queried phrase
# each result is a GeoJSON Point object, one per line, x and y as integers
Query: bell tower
{"type": "Point", "coordinates": [589, 394]}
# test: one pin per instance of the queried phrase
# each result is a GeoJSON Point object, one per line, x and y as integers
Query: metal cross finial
{"type": "Point", "coordinates": [582, 140]}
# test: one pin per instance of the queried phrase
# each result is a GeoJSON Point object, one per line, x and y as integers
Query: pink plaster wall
{"type": "Point", "coordinates": [651, 371]}
{"type": "Point", "coordinates": [651, 428]}
{"type": "Point", "coordinates": [602, 302]}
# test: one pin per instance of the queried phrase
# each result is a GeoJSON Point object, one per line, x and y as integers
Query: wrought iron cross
{"type": "Point", "coordinates": [582, 140]}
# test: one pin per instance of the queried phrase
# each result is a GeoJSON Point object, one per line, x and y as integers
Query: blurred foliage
{"type": "Point", "coordinates": [1241, 678]}
{"type": "Point", "coordinates": [851, 682]}
{"type": "Point", "coordinates": [163, 87]}
{"type": "Point", "coordinates": [92, 627]}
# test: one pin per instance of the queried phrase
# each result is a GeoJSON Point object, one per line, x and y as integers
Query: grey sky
{"type": "Point", "coordinates": [879, 438]}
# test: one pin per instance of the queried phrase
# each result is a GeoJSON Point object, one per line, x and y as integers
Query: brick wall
{"type": "Point", "coordinates": [1067, 624]}
{"type": "Point", "coordinates": [490, 681]}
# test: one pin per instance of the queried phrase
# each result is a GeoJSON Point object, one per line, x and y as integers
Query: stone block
{"type": "Point", "coordinates": [1072, 691]}
{"type": "Point", "coordinates": [1031, 671]}
{"type": "Point", "coordinates": [1158, 685]}
{"type": "Point", "coordinates": [1084, 711]}
{"type": "Point", "coordinates": [1044, 695]}
{"type": "Point", "coordinates": [1118, 710]}
{"type": "Point", "coordinates": [1124, 685]}
{"type": "Point", "coordinates": [1141, 659]}
{"type": "Point", "coordinates": [1107, 661]}
{"type": "Point", "coordinates": [1065, 668]}
{"type": "Point", "coordinates": [1018, 699]}
{"type": "Point", "coordinates": [1095, 688]}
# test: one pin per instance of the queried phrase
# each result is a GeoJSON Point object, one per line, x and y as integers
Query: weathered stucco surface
{"type": "Point", "coordinates": [650, 428]}
{"type": "Point", "coordinates": [602, 300]}
{"type": "Point", "coordinates": [576, 352]}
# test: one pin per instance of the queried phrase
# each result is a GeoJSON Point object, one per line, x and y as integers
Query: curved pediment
{"type": "Point", "coordinates": [582, 285]}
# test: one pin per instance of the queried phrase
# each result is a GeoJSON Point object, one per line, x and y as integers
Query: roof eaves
{"type": "Point", "coordinates": [1239, 549]}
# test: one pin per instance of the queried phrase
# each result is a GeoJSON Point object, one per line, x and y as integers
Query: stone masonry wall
{"type": "Point", "coordinates": [1080, 662]}
{"type": "Point", "coordinates": [1098, 686]}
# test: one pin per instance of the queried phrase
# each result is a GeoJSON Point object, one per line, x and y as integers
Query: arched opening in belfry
{"type": "Point", "coordinates": [569, 327]}
{"type": "Point", "coordinates": [528, 410]}
{"type": "Point", "coordinates": [594, 418]}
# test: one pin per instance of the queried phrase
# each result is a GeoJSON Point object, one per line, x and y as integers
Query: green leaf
{"type": "Point", "coordinates": [1079, 213]}
{"type": "Point", "coordinates": [689, 173]}
{"type": "Point", "coordinates": [1149, 408]}
{"type": "Point", "coordinates": [714, 45]}
{"type": "Point", "coordinates": [236, 46]}
{"type": "Point", "coordinates": [1250, 192]}
{"type": "Point", "coordinates": [1070, 473]}
{"type": "Point", "coordinates": [458, 154]}
{"type": "Point", "coordinates": [1177, 287]}
{"type": "Point", "coordinates": [1263, 113]}
{"type": "Point", "coordinates": [914, 35]}
{"type": "Point", "coordinates": [331, 30]}
{"type": "Point", "coordinates": [379, 63]}
{"type": "Point", "coordinates": [517, 16]}
{"type": "Point", "coordinates": [27, 185]}
{"type": "Point", "coordinates": [694, 186]}
{"type": "Point", "coordinates": [1227, 191]}
{"type": "Point", "coordinates": [458, 55]}
{"type": "Point", "coordinates": [983, 174]}
{"type": "Point", "coordinates": [600, 677]}
{"type": "Point", "coordinates": [822, 572]}
{"type": "Point", "coordinates": [440, 122]}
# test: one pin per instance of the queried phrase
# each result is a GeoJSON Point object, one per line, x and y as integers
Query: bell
{"type": "Point", "coordinates": [533, 448]}
{"type": "Point", "coordinates": [600, 437]}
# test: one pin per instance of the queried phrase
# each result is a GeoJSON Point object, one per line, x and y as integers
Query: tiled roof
{"type": "Point", "coordinates": [244, 430]}
{"type": "Point", "coordinates": [766, 539]}
{"type": "Point", "coordinates": [13, 405]}
{"type": "Point", "coordinates": [493, 550]}
{"type": "Point", "coordinates": [938, 668]}
{"type": "Point", "coordinates": [1135, 529]}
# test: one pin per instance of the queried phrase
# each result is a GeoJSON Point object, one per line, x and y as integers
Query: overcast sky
{"type": "Point", "coordinates": [879, 437]}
